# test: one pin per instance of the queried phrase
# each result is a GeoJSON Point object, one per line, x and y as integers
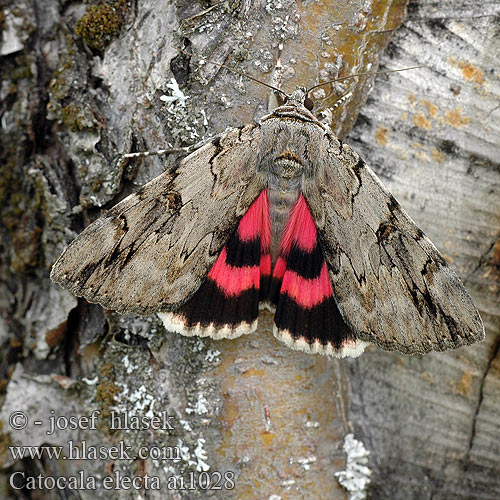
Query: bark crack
{"type": "Point", "coordinates": [494, 354]}
{"type": "Point", "coordinates": [482, 259]}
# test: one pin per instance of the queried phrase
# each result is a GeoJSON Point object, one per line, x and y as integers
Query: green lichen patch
{"type": "Point", "coordinates": [4, 445]}
{"type": "Point", "coordinates": [20, 205]}
{"type": "Point", "coordinates": [16, 71]}
{"type": "Point", "coordinates": [2, 20]}
{"type": "Point", "coordinates": [101, 24]}
{"type": "Point", "coordinates": [60, 85]}
{"type": "Point", "coordinates": [69, 104]}
{"type": "Point", "coordinates": [77, 118]}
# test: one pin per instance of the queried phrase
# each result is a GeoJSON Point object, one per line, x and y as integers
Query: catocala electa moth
{"type": "Point", "coordinates": [280, 213]}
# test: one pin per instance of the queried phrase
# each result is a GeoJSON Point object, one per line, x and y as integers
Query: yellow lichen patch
{"type": "Point", "coordinates": [422, 156]}
{"type": "Point", "coordinates": [231, 413]}
{"type": "Point", "coordinates": [433, 109]}
{"type": "Point", "coordinates": [382, 135]}
{"type": "Point", "coordinates": [267, 437]}
{"type": "Point", "coordinates": [4, 445]}
{"type": "Point", "coordinates": [254, 372]}
{"type": "Point", "coordinates": [496, 253]}
{"type": "Point", "coordinates": [106, 392]}
{"type": "Point", "coordinates": [428, 377]}
{"type": "Point", "coordinates": [15, 343]}
{"type": "Point", "coordinates": [420, 120]}
{"type": "Point", "coordinates": [471, 73]}
{"type": "Point", "coordinates": [448, 258]}
{"type": "Point", "coordinates": [464, 386]}
{"type": "Point", "coordinates": [404, 116]}
{"type": "Point", "coordinates": [437, 155]}
{"type": "Point", "coordinates": [454, 118]}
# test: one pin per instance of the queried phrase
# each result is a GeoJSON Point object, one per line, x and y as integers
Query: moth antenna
{"type": "Point", "coordinates": [206, 61]}
{"type": "Point", "coordinates": [368, 73]}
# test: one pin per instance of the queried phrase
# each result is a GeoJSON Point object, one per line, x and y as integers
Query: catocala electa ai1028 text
{"type": "Point", "coordinates": [284, 214]}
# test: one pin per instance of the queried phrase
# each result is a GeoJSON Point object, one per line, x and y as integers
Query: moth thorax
{"type": "Point", "coordinates": [287, 165]}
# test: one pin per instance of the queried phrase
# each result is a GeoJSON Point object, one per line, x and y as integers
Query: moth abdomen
{"type": "Point", "coordinates": [280, 204]}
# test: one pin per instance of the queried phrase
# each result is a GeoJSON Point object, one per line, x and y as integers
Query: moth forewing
{"type": "Point", "coordinates": [391, 284]}
{"type": "Point", "coordinates": [153, 249]}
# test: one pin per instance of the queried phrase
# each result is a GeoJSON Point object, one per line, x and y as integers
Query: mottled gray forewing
{"type": "Point", "coordinates": [390, 283]}
{"type": "Point", "coordinates": [152, 251]}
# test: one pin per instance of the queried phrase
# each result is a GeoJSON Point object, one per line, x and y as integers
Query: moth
{"type": "Point", "coordinates": [283, 214]}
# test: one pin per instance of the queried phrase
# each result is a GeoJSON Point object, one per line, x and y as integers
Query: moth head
{"type": "Point", "coordinates": [300, 96]}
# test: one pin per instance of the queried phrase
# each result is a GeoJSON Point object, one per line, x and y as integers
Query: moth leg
{"type": "Point", "coordinates": [164, 152]}
{"type": "Point", "coordinates": [326, 116]}
{"type": "Point", "coordinates": [160, 152]}
{"type": "Point", "coordinates": [343, 98]}
{"type": "Point", "coordinates": [123, 159]}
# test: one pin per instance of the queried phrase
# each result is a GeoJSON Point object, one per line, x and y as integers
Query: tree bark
{"type": "Point", "coordinates": [82, 84]}
{"type": "Point", "coordinates": [431, 422]}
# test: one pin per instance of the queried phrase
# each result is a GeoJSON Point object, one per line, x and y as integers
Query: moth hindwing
{"type": "Point", "coordinates": [279, 213]}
